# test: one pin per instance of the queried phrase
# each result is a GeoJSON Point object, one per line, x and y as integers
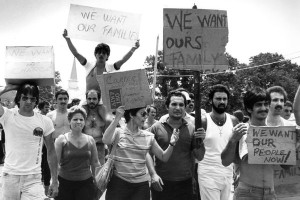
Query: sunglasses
{"type": "Point", "coordinates": [25, 98]}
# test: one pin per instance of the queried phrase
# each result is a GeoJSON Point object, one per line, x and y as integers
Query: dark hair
{"type": "Point", "coordinates": [148, 109]}
{"type": "Point", "coordinates": [93, 90]}
{"type": "Point", "coordinates": [26, 89]}
{"type": "Point", "coordinates": [74, 110]}
{"type": "Point", "coordinates": [61, 92]}
{"type": "Point", "coordinates": [192, 96]}
{"type": "Point", "coordinates": [43, 104]}
{"type": "Point", "coordinates": [254, 95]}
{"type": "Point", "coordinates": [218, 88]}
{"type": "Point", "coordinates": [239, 115]}
{"type": "Point", "coordinates": [277, 89]}
{"type": "Point", "coordinates": [75, 100]}
{"type": "Point", "coordinates": [131, 112]}
{"type": "Point", "coordinates": [174, 93]}
{"type": "Point", "coordinates": [288, 104]}
{"type": "Point", "coordinates": [102, 47]}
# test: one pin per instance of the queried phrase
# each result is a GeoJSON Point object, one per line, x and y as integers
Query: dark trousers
{"type": "Point", "coordinates": [174, 190]}
{"type": "Point", "coordinates": [46, 175]}
{"type": "Point", "coordinates": [118, 189]}
{"type": "Point", "coordinates": [2, 150]}
{"type": "Point", "coordinates": [75, 190]}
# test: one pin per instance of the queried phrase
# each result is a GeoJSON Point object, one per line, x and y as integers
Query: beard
{"type": "Point", "coordinates": [219, 110]}
{"type": "Point", "coordinates": [92, 105]}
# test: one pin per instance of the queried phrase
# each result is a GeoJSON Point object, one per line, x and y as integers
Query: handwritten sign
{"type": "Point", "coordinates": [287, 182]}
{"type": "Point", "coordinates": [128, 88]}
{"type": "Point", "coordinates": [103, 25]}
{"type": "Point", "coordinates": [271, 145]}
{"type": "Point", "coordinates": [195, 39]}
{"type": "Point", "coordinates": [32, 63]}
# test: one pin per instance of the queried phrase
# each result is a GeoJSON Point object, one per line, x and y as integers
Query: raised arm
{"type": "Point", "coordinates": [165, 155]}
{"type": "Point", "coordinates": [109, 134]}
{"type": "Point", "coordinates": [230, 154]}
{"type": "Point", "coordinates": [119, 63]}
{"type": "Point", "coordinates": [73, 50]}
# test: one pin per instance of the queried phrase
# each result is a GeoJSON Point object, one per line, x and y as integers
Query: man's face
{"type": "Point", "coordinates": [260, 110]}
{"type": "Point", "coordinates": [219, 102]}
{"type": "Point", "coordinates": [101, 57]}
{"type": "Point", "coordinates": [277, 103]}
{"type": "Point", "coordinates": [287, 111]}
{"type": "Point", "coordinates": [92, 99]}
{"type": "Point", "coordinates": [152, 112]}
{"type": "Point", "coordinates": [45, 110]}
{"type": "Point", "coordinates": [190, 106]}
{"type": "Point", "coordinates": [27, 102]}
{"type": "Point", "coordinates": [176, 107]}
{"type": "Point", "coordinates": [62, 101]}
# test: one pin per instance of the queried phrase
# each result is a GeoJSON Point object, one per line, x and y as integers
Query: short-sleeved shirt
{"type": "Point", "coordinates": [24, 141]}
{"type": "Point", "coordinates": [130, 156]}
{"type": "Point", "coordinates": [89, 66]}
{"type": "Point", "coordinates": [179, 166]}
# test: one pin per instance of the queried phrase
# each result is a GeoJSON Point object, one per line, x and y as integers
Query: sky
{"type": "Point", "coordinates": [255, 26]}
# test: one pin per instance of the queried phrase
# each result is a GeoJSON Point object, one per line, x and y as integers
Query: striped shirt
{"type": "Point", "coordinates": [130, 156]}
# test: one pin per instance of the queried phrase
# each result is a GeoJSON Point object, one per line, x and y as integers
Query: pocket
{"type": "Point", "coordinates": [242, 192]}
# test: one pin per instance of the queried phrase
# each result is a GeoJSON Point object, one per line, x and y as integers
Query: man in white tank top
{"type": "Point", "coordinates": [215, 180]}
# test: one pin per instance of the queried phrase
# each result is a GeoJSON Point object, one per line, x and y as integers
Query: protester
{"type": "Point", "coordinates": [102, 52]}
{"type": "Point", "coordinates": [215, 180]}
{"type": "Point", "coordinates": [130, 177]}
{"type": "Point", "coordinates": [187, 117]}
{"type": "Point", "coordinates": [278, 96]}
{"type": "Point", "coordinates": [44, 108]}
{"type": "Point", "coordinates": [287, 110]}
{"type": "Point", "coordinates": [256, 180]}
{"type": "Point", "coordinates": [77, 157]}
{"type": "Point", "coordinates": [26, 131]}
{"type": "Point", "coordinates": [59, 116]}
{"type": "Point", "coordinates": [175, 178]}
{"type": "Point", "coordinates": [151, 113]}
{"type": "Point", "coordinates": [190, 104]}
{"type": "Point", "coordinates": [95, 123]}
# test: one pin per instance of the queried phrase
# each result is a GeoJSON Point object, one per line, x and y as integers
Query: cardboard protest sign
{"type": "Point", "coordinates": [103, 25]}
{"type": "Point", "coordinates": [30, 63]}
{"type": "Point", "coordinates": [287, 182]}
{"type": "Point", "coordinates": [127, 88]}
{"type": "Point", "coordinates": [195, 39]}
{"type": "Point", "coordinates": [271, 145]}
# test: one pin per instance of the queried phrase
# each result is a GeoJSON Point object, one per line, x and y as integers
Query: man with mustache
{"type": "Point", "coordinates": [95, 124]}
{"type": "Point", "coordinates": [256, 180]}
{"type": "Point", "coordinates": [59, 116]}
{"type": "Point", "coordinates": [278, 97]}
{"type": "Point", "coordinates": [215, 180]}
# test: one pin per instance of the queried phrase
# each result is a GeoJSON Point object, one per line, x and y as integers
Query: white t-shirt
{"type": "Point", "coordinates": [24, 141]}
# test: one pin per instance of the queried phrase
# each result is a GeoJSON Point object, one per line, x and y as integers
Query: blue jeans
{"type": "Point", "coordinates": [174, 190]}
{"type": "Point", "coordinates": [253, 193]}
{"type": "Point", "coordinates": [22, 187]}
{"type": "Point", "coordinates": [118, 189]}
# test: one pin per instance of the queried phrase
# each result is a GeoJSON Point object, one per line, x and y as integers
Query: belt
{"type": "Point", "coordinates": [263, 190]}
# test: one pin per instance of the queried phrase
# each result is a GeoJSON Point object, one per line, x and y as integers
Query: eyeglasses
{"type": "Point", "coordinates": [25, 98]}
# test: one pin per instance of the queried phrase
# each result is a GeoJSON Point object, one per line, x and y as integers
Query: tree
{"type": "Point", "coordinates": [46, 92]}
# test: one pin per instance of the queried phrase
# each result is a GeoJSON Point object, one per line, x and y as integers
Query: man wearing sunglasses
{"type": "Point", "coordinates": [26, 131]}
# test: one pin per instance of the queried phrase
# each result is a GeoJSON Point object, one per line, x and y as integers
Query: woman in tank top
{"type": "Point", "coordinates": [77, 158]}
{"type": "Point", "coordinates": [130, 177]}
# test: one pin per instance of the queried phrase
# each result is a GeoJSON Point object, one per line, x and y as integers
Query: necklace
{"type": "Point", "coordinates": [219, 123]}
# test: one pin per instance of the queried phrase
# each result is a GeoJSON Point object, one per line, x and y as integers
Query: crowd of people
{"type": "Point", "coordinates": [62, 145]}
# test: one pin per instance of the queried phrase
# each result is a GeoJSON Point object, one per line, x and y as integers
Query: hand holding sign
{"type": "Point", "coordinates": [65, 34]}
{"type": "Point", "coordinates": [120, 112]}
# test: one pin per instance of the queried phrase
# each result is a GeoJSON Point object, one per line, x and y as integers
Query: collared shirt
{"type": "Point", "coordinates": [179, 167]}
{"type": "Point", "coordinates": [187, 117]}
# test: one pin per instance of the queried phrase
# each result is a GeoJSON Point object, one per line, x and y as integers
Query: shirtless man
{"type": "Point", "coordinates": [256, 181]}
{"type": "Point", "coordinates": [59, 116]}
{"type": "Point", "coordinates": [95, 124]}
{"type": "Point", "coordinates": [102, 52]}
